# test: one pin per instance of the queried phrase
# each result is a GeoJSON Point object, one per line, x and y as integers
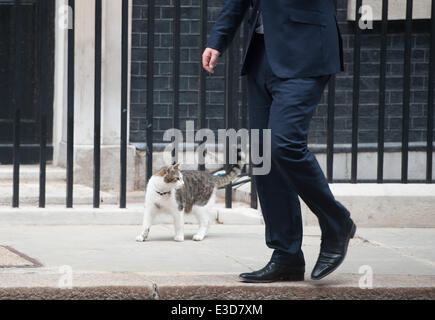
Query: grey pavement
{"type": "Point", "coordinates": [108, 255]}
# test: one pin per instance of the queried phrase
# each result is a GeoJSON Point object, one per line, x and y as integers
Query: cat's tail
{"type": "Point", "coordinates": [227, 178]}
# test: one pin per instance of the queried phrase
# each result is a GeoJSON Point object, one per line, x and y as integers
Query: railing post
{"type": "Point", "coordinates": [246, 123]}
{"type": "Point", "coordinates": [70, 112]}
{"type": "Point", "coordinates": [230, 105]}
{"type": "Point", "coordinates": [430, 102]}
{"type": "Point", "coordinates": [330, 129]}
{"type": "Point", "coordinates": [406, 90]}
{"type": "Point", "coordinates": [124, 106]}
{"type": "Point", "coordinates": [202, 72]}
{"type": "Point", "coordinates": [97, 102]}
{"type": "Point", "coordinates": [43, 102]}
{"type": "Point", "coordinates": [176, 73]}
{"type": "Point", "coordinates": [150, 89]}
{"type": "Point", "coordinates": [356, 92]}
{"type": "Point", "coordinates": [18, 102]}
{"type": "Point", "coordinates": [382, 86]}
{"type": "Point", "coordinates": [228, 118]}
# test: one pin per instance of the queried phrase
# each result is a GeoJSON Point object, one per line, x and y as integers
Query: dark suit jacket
{"type": "Point", "coordinates": [301, 37]}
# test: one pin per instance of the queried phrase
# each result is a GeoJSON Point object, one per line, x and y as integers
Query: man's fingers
{"type": "Point", "coordinates": [206, 62]}
{"type": "Point", "coordinates": [206, 59]}
{"type": "Point", "coordinates": [213, 60]}
{"type": "Point", "coordinates": [209, 59]}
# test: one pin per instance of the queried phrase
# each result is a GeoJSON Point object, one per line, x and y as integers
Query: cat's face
{"type": "Point", "coordinates": [172, 176]}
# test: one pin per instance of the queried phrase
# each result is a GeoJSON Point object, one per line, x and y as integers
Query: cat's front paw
{"type": "Point", "coordinates": [179, 238]}
{"type": "Point", "coordinates": [141, 238]}
{"type": "Point", "coordinates": [198, 237]}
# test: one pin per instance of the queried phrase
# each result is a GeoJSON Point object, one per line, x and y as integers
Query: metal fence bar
{"type": "Point", "coordinates": [254, 197]}
{"type": "Point", "coordinates": [232, 108]}
{"type": "Point", "coordinates": [406, 90]}
{"type": "Point", "coordinates": [244, 112]}
{"type": "Point", "coordinates": [430, 102]}
{"type": "Point", "coordinates": [245, 121]}
{"type": "Point", "coordinates": [330, 130]}
{"type": "Point", "coordinates": [150, 89]}
{"type": "Point", "coordinates": [202, 72]}
{"type": "Point", "coordinates": [382, 87]}
{"type": "Point", "coordinates": [43, 102]}
{"type": "Point", "coordinates": [176, 72]}
{"type": "Point", "coordinates": [228, 118]}
{"type": "Point", "coordinates": [124, 106]}
{"type": "Point", "coordinates": [97, 102]}
{"type": "Point", "coordinates": [356, 92]}
{"type": "Point", "coordinates": [231, 78]}
{"type": "Point", "coordinates": [70, 107]}
{"type": "Point", "coordinates": [18, 102]}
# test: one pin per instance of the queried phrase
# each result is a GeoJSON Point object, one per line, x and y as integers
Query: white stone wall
{"type": "Point", "coordinates": [84, 25]}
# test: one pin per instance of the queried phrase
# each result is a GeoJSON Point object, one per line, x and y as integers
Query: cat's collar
{"type": "Point", "coordinates": [164, 193]}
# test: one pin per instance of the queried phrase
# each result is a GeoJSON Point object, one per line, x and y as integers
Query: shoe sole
{"type": "Point", "coordinates": [298, 277]}
{"type": "Point", "coordinates": [351, 236]}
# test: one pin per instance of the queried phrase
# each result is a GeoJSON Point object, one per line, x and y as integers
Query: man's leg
{"type": "Point", "coordinates": [294, 101]}
{"type": "Point", "coordinates": [279, 202]}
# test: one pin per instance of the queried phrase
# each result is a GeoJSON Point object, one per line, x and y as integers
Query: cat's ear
{"type": "Point", "coordinates": [176, 166]}
{"type": "Point", "coordinates": [162, 172]}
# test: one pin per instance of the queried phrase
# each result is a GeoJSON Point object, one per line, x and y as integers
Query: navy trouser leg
{"type": "Point", "coordinates": [283, 226]}
{"type": "Point", "coordinates": [294, 102]}
{"type": "Point", "coordinates": [286, 107]}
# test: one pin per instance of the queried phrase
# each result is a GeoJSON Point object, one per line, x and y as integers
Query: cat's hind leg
{"type": "Point", "coordinates": [203, 217]}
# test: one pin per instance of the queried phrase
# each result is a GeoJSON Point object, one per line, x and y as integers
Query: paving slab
{"type": "Point", "coordinates": [108, 257]}
{"type": "Point", "coordinates": [10, 258]}
{"type": "Point", "coordinates": [226, 249]}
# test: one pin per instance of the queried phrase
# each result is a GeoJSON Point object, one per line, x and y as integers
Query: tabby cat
{"type": "Point", "coordinates": [181, 192]}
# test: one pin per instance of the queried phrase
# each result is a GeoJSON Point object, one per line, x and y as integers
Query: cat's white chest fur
{"type": "Point", "coordinates": [158, 197]}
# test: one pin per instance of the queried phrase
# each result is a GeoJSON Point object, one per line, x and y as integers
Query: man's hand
{"type": "Point", "coordinates": [209, 59]}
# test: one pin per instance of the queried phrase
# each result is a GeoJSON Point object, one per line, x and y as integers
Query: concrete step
{"type": "Point", "coordinates": [111, 214]}
{"type": "Point", "coordinates": [30, 173]}
{"type": "Point", "coordinates": [374, 205]}
{"type": "Point", "coordinates": [56, 194]}
{"type": "Point", "coordinates": [142, 286]}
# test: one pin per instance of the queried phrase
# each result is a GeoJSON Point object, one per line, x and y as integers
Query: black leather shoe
{"type": "Point", "coordinates": [273, 272]}
{"type": "Point", "coordinates": [332, 254]}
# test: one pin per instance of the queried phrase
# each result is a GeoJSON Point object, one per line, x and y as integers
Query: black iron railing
{"type": "Point", "coordinates": [233, 98]}
{"type": "Point", "coordinates": [70, 107]}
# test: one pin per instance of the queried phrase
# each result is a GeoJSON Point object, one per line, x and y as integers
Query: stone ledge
{"type": "Point", "coordinates": [223, 286]}
{"type": "Point", "coordinates": [376, 205]}
{"type": "Point", "coordinates": [56, 194]}
{"type": "Point", "coordinates": [239, 216]}
{"type": "Point", "coordinates": [113, 215]}
{"type": "Point", "coordinates": [296, 293]}
{"type": "Point", "coordinates": [97, 293]}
